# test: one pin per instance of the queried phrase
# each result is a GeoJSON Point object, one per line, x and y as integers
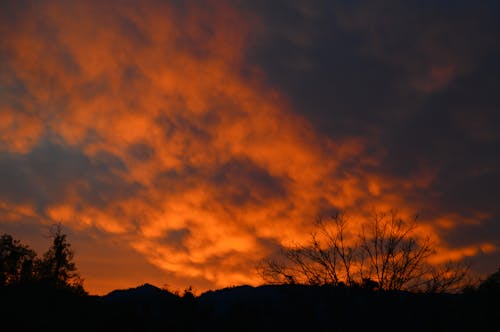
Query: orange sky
{"type": "Point", "coordinates": [169, 157]}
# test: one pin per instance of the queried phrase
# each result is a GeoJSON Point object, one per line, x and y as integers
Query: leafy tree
{"type": "Point", "coordinates": [16, 261]}
{"type": "Point", "coordinates": [56, 266]}
{"type": "Point", "coordinates": [385, 254]}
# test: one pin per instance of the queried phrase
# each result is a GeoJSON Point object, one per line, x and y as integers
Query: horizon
{"type": "Point", "coordinates": [180, 143]}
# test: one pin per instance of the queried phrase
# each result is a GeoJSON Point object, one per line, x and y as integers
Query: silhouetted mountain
{"type": "Point", "coordinates": [307, 308]}
{"type": "Point", "coordinates": [150, 305]}
{"type": "Point", "coordinates": [245, 308]}
{"type": "Point", "coordinates": [146, 292]}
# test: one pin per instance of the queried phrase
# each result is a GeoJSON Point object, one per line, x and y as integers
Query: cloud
{"type": "Point", "coordinates": [49, 173]}
{"type": "Point", "coordinates": [202, 137]}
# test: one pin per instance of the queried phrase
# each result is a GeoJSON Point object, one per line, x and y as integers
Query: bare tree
{"type": "Point", "coordinates": [391, 255]}
{"type": "Point", "coordinates": [386, 254]}
{"type": "Point", "coordinates": [326, 259]}
{"type": "Point", "coordinates": [450, 277]}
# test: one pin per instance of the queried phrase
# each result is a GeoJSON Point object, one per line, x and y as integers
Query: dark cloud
{"type": "Point", "coordinates": [352, 82]}
{"type": "Point", "coordinates": [416, 80]}
{"type": "Point", "coordinates": [350, 67]}
{"type": "Point", "coordinates": [135, 35]}
{"type": "Point", "coordinates": [323, 68]}
{"type": "Point", "coordinates": [141, 151]}
{"type": "Point", "coordinates": [465, 234]}
{"type": "Point", "coordinates": [50, 172]}
{"type": "Point", "coordinates": [238, 123]}
{"type": "Point", "coordinates": [456, 134]}
{"type": "Point", "coordinates": [241, 182]}
{"type": "Point", "coordinates": [94, 88]}
{"type": "Point", "coordinates": [235, 183]}
{"type": "Point", "coordinates": [175, 238]}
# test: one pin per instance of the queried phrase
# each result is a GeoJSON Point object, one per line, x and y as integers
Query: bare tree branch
{"type": "Point", "coordinates": [386, 254]}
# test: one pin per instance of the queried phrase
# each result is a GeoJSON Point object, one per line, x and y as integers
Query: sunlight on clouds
{"type": "Point", "coordinates": [195, 162]}
{"type": "Point", "coordinates": [444, 254]}
{"type": "Point", "coordinates": [18, 131]}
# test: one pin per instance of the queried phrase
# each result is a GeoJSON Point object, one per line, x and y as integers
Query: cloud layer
{"type": "Point", "coordinates": [191, 140]}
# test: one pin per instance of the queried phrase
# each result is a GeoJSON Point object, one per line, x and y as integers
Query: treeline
{"type": "Point", "coordinates": [45, 293]}
{"type": "Point", "coordinates": [244, 308]}
{"type": "Point", "coordinates": [20, 265]}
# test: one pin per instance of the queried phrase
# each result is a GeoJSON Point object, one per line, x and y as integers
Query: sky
{"type": "Point", "coordinates": [182, 142]}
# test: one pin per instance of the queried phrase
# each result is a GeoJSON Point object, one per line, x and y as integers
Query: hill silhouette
{"type": "Point", "coordinates": [146, 292]}
{"type": "Point", "coordinates": [246, 308]}
{"type": "Point", "coordinates": [45, 294]}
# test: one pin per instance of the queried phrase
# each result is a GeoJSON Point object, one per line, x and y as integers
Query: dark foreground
{"type": "Point", "coordinates": [266, 308]}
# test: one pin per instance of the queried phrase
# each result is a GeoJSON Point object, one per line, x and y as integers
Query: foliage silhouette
{"type": "Point", "coordinates": [16, 261]}
{"type": "Point", "coordinates": [56, 266]}
{"type": "Point", "coordinates": [44, 306]}
{"type": "Point", "coordinates": [20, 265]}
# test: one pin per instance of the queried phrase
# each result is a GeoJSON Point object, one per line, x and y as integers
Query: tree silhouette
{"type": "Point", "coordinates": [56, 266]}
{"type": "Point", "coordinates": [491, 283]}
{"type": "Point", "coordinates": [16, 261]}
{"type": "Point", "coordinates": [385, 254]}
{"type": "Point", "coordinates": [326, 259]}
{"type": "Point", "coordinates": [391, 255]}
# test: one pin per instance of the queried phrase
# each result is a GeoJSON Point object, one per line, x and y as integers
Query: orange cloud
{"type": "Point", "coordinates": [200, 168]}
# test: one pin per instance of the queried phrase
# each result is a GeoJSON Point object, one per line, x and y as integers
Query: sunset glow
{"type": "Point", "coordinates": [181, 142]}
